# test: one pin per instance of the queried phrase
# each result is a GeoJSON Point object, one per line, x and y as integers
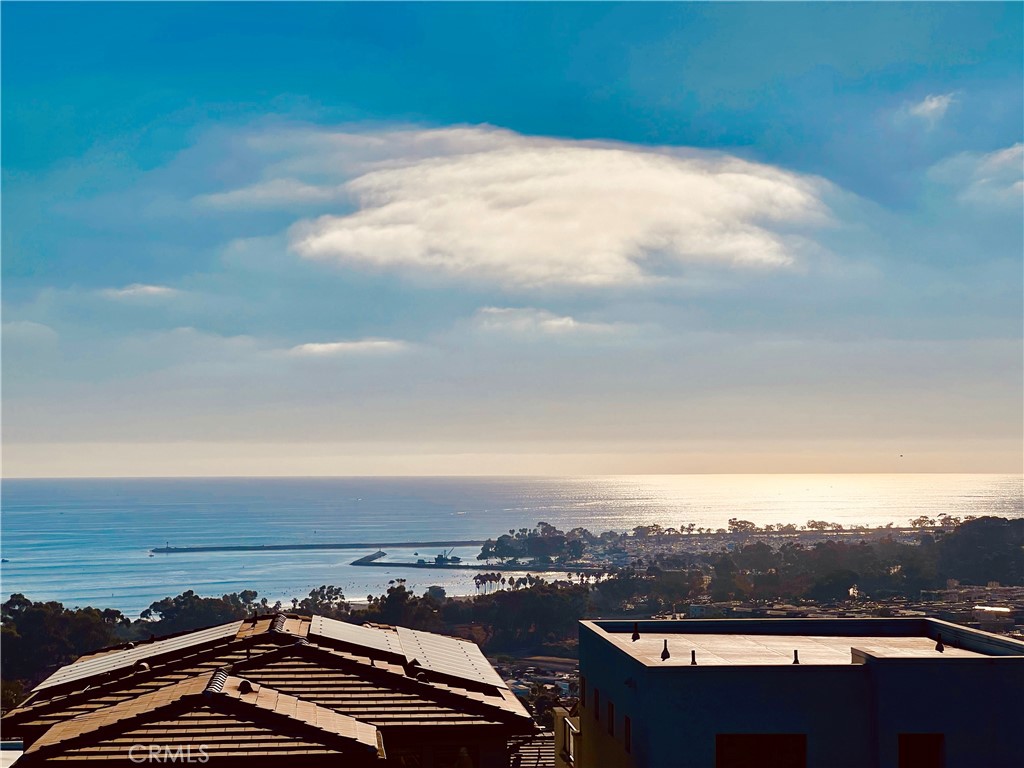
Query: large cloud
{"type": "Point", "coordinates": [499, 207]}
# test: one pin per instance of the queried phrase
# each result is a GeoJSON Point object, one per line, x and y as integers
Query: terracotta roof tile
{"type": "Point", "coordinates": [337, 690]}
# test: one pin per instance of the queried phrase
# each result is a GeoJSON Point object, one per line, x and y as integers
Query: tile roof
{"type": "Point", "coordinates": [125, 658]}
{"type": "Point", "coordinates": [323, 684]}
{"type": "Point", "coordinates": [447, 656]}
{"type": "Point", "coordinates": [341, 632]}
{"type": "Point", "coordinates": [215, 692]}
{"type": "Point", "coordinates": [380, 692]}
{"type": "Point", "coordinates": [533, 751]}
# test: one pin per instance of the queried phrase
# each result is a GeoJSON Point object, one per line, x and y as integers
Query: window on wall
{"type": "Point", "coordinates": [922, 750]}
{"type": "Point", "coordinates": [627, 733]}
{"type": "Point", "coordinates": [597, 705]}
{"type": "Point", "coordinates": [611, 719]}
{"type": "Point", "coordinates": [761, 750]}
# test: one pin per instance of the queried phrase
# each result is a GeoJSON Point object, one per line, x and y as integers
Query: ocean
{"type": "Point", "coordinates": [87, 542]}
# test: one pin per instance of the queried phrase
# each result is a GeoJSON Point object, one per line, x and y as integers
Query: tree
{"type": "Point", "coordinates": [40, 637]}
{"type": "Point", "coordinates": [741, 526]}
{"type": "Point", "coordinates": [724, 585]}
{"type": "Point", "coordinates": [982, 550]}
{"type": "Point", "coordinates": [189, 611]}
{"type": "Point", "coordinates": [834, 586]}
{"type": "Point", "coordinates": [326, 601]}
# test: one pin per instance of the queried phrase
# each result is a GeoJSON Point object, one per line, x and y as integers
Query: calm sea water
{"type": "Point", "coordinates": [86, 542]}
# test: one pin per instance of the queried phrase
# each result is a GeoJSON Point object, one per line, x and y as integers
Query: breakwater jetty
{"type": "Point", "coordinates": [286, 547]}
{"type": "Point", "coordinates": [370, 558]}
{"type": "Point", "coordinates": [517, 567]}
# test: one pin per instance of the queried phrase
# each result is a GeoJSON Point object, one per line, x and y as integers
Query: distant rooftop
{"type": "Point", "coordinates": [758, 642]}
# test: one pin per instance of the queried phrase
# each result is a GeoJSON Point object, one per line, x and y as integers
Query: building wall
{"type": "Point", "coordinates": [977, 704]}
{"type": "Point", "coordinates": [608, 671]}
{"type": "Point", "coordinates": [852, 714]}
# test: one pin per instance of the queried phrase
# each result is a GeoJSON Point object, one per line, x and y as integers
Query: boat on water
{"type": "Point", "coordinates": [447, 558]}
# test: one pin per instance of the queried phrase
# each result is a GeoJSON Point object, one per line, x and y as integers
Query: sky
{"type": "Point", "coordinates": [376, 239]}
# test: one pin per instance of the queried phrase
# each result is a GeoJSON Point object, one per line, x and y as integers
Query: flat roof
{"type": "Point", "coordinates": [771, 642]}
{"type": "Point", "coordinates": [725, 649]}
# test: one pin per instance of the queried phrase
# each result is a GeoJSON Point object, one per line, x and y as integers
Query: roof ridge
{"type": "Point", "coordinates": [217, 680]}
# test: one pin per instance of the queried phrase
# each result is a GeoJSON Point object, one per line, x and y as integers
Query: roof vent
{"type": "Point", "coordinates": [245, 686]}
{"type": "Point", "coordinates": [129, 645]}
{"type": "Point", "coordinates": [217, 680]}
{"type": "Point", "coordinates": [693, 658]}
{"type": "Point", "coordinates": [422, 677]}
{"type": "Point", "coordinates": [664, 651]}
{"type": "Point", "coordinates": [636, 631]}
{"type": "Point", "coordinates": [938, 645]}
{"type": "Point", "coordinates": [796, 656]}
{"type": "Point", "coordinates": [141, 666]}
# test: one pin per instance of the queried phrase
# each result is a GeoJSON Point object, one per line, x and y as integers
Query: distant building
{"type": "Point", "coordinates": [277, 691]}
{"type": "Point", "coordinates": [795, 693]}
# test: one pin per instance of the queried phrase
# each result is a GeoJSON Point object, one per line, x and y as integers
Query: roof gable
{"type": "Point", "coordinates": [220, 692]}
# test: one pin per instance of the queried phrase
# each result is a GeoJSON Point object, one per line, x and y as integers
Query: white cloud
{"type": "Point", "coordinates": [339, 348]}
{"type": "Point", "coordinates": [495, 206]}
{"type": "Point", "coordinates": [139, 291]}
{"type": "Point", "coordinates": [932, 108]}
{"type": "Point", "coordinates": [995, 179]}
{"type": "Point", "coordinates": [273, 193]}
{"type": "Point", "coordinates": [531, 321]}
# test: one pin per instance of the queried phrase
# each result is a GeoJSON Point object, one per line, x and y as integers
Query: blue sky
{"type": "Point", "coordinates": [504, 238]}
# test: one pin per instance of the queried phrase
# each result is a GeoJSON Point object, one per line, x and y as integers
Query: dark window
{"type": "Point", "coordinates": [611, 719]}
{"type": "Point", "coordinates": [597, 705]}
{"type": "Point", "coordinates": [761, 750]}
{"type": "Point", "coordinates": [627, 733]}
{"type": "Point", "coordinates": [583, 690]}
{"type": "Point", "coordinates": [922, 750]}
